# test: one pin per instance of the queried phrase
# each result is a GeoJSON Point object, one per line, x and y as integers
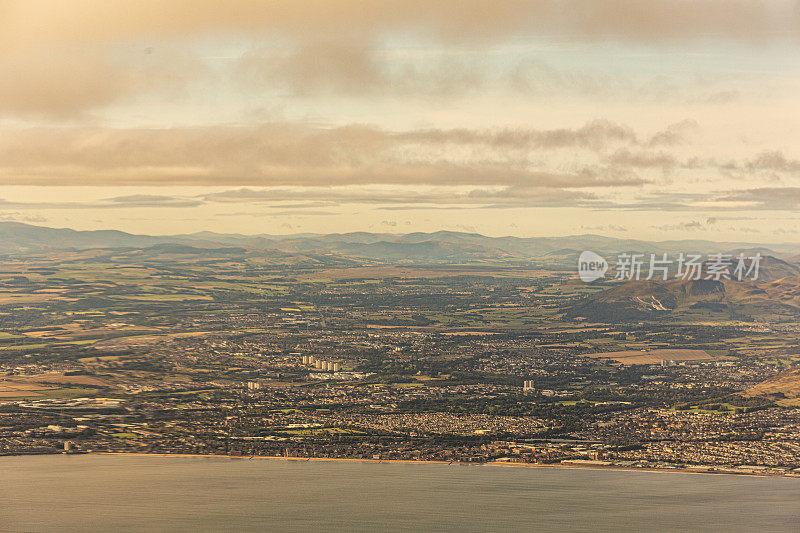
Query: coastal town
{"type": "Point", "coordinates": [157, 353]}
{"type": "Point", "coordinates": [380, 422]}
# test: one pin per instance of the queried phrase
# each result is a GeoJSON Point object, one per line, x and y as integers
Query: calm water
{"type": "Point", "coordinates": [134, 493]}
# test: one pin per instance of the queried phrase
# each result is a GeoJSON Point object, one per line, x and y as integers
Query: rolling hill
{"type": "Point", "coordinates": [434, 247]}
{"type": "Point", "coordinates": [776, 293]}
{"type": "Point", "coordinates": [783, 388]}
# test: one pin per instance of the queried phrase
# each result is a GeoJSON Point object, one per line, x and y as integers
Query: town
{"type": "Point", "coordinates": [174, 355]}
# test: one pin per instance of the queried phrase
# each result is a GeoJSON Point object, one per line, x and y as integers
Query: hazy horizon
{"type": "Point", "coordinates": [399, 233]}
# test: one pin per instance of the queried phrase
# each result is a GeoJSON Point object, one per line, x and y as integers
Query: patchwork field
{"type": "Point", "coordinates": [651, 357]}
{"type": "Point", "coordinates": [49, 385]}
{"type": "Point", "coordinates": [14, 389]}
{"type": "Point", "coordinates": [381, 272]}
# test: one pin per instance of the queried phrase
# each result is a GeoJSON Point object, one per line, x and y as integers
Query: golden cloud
{"type": "Point", "coordinates": [35, 23]}
{"type": "Point", "coordinates": [299, 154]}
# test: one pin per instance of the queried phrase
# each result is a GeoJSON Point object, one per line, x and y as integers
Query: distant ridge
{"type": "Point", "coordinates": [438, 246]}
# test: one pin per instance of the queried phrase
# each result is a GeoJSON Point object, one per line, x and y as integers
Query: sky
{"type": "Point", "coordinates": [650, 119]}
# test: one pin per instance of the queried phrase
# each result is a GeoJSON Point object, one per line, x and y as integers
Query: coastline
{"type": "Point", "coordinates": [693, 470]}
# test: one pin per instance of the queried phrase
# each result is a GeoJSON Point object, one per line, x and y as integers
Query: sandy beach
{"type": "Point", "coordinates": [688, 470]}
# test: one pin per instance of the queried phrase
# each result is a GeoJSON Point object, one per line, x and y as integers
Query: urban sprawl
{"type": "Point", "coordinates": [177, 351]}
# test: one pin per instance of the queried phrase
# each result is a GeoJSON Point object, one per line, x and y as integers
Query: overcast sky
{"type": "Point", "coordinates": [654, 119]}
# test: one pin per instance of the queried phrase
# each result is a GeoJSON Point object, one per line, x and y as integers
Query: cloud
{"type": "Point", "coordinates": [594, 135]}
{"type": "Point", "coordinates": [760, 198]}
{"type": "Point", "coordinates": [694, 225]}
{"type": "Point", "coordinates": [356, 68]}
{"type": "Point", "coordinates": [516, 196]}
{"type": "Point", "coordinates": [138, 200]}
{"type": "Point", "coordinates": [626, 158]}
{"type": "Point", "coordinates": [43, 23]}
{"type": "Point", "coordinates": [717, 202]}
{"type": "Point", "coordinates": [318, 67]}
{"type": "Point", "coordinates": [153, 200]}
{"type": "Point", "coordinates": [467, 228]}
{"type": "Point", "coordinates": [534, 76]}
{"type": "Point", "coordinates": [609, 227]}
{"type": "Point", "coordinates": [298, 154]}
{"type": "Point", "coordinates": [674, 134]}
{"type": "Point", "coordinates": [60, 88]}
{"type": "Point", "coordinates": [773, 160]}
{"type": "Point", "coordinates": [65, 60]}
{"type": "Point", "coordinates": [297, 212]}
{"type": "Point", "coordinates": [777, 198]}
{"type": "Point", "coordinates": [719, 97]}
{"type": "Point", "coordinates": [771, 164]}
{"type": "Point", "coordinates": [786, 231]}
{"type": "Point", "coordinates": [19, 217]}
{"type": "Point", "coordinates": [62, 85]}
{"type": "Point", "coordinates": [403, 198]}
{"type": "Point", "coordinates": [353, 69]}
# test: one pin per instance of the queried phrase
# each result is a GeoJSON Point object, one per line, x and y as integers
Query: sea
{"type": "Point", "coordinates": [112, 493]}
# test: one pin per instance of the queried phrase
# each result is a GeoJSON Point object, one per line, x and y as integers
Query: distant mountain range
{"type": "Point", "coordinates": [435, 247]}
{"type": "Point", "coordinates": [774, 296]}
